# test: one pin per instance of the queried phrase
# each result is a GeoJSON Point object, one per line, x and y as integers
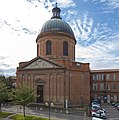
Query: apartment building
{"type": "Point", "coordinates": [105, 85]}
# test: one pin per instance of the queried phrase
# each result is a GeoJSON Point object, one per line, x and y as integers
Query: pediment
{"type": "Point", "coordinates": [41, 63]}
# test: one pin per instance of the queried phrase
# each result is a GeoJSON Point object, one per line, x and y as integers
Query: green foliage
{"type": "Point", "coordinates": [4, 114]}
{"type": "Point", "coordinates": [4, 92]}
{"type": "Point", "coordinates": [2, 78]}
{"type": "Point", "coordinates": [8, 81]}
{"type": "Point", "coordinates": [24, 95]}
{"type": "Point", "coordinates": [21, 117]}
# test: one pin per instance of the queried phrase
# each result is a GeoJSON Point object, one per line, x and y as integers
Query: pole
{"type": "Point", "coordinates": [49, 111]}
{"type": "Point", "coordinates": [49, 98]}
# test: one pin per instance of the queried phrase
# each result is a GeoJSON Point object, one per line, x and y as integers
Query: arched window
{"type": "Point", "coordinates": [48, 47]}
{"type": "Point", "coordinates": [65, 48]}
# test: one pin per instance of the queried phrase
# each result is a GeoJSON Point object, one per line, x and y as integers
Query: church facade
{"type": "Point", "coordinates": [54, 73]}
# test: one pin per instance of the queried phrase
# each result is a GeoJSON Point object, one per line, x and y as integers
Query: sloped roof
{"type": "Point", "coordinates": [40, 63]}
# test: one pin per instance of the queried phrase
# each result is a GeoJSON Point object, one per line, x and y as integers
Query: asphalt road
{"type": "Point", "coordinates": [111, 112]}
{"type": "Point", "coordinates": [56, 115]}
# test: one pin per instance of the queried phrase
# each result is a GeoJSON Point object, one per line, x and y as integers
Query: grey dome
{"type": "Point", "coordinates": [56, 25]}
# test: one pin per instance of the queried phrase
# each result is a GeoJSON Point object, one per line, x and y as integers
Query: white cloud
{"type": "Point", "coordinates": [19, 26]}
{"type": "Point", "coordinates": [110, 5]}
{"type": "Point", "coordinates": [65, 3]}
{"type": "Point", "coordinates": [82, 26]}
{"type": "Point", "coordinates": [101, 55]}
{"type": "Point", "coordinates": [49, 3]}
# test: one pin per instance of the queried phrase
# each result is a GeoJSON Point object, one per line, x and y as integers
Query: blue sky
{"type": "Point", "coordinates": [95, 24]}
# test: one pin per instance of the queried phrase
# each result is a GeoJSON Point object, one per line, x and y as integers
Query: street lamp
{"type": "Point", "coordinates": [49, 105]}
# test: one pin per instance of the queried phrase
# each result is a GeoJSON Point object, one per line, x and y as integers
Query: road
{"type": "Point", "coordinates": [111, 112]}
{"type": "Point", "coordinates": [54, 114]}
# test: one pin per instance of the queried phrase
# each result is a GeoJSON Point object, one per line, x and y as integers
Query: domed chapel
{"type": "Point", "coordinates": [54, 73]}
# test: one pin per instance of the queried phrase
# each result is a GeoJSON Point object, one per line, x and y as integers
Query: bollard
{"type": "Point", "coordinates": [84, 116]}
{"type": "Point", "coordinates": [60, 111]}
{"type": "Point", "coordinates": [55, 110]}
{"type": "Point", "coordinates": [67, 111]}
{"type": "Point", "coordinates": [41, 108]}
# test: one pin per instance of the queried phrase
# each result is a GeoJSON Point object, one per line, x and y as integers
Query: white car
{"type": "Point", "coordinates": [94, 118]}
{"type": "Point", "coordinates": [118, 107]}
{"type": "Point", "coordinates": [95, 103]}
{"type": "Point", "coordinates": [99, 114]}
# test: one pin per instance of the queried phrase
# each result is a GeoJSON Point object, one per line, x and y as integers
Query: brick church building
{"type": "Point", "coordinates": [54, 72]}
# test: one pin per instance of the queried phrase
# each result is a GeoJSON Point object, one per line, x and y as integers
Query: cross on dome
{"type": "Point", "coordinates": [56, 4]}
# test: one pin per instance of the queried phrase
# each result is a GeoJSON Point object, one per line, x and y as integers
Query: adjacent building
{"type": "Point", "coordinates": [105, 85]}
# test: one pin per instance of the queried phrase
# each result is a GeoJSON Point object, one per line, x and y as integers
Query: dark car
{"type": "Point", "coordinates": [116, 104]}
{"type": "Point", "coordinates": [113, 103]}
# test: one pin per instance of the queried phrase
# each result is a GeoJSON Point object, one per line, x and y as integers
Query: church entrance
{"type": "Point", "coordinates": [40, 94]}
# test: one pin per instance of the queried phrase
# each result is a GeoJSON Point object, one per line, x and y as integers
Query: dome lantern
{"type": "Point", "coordinates": [56, 12]}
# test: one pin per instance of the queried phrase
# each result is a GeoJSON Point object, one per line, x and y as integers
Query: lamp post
{"type": "Point", "coordinates": [49, 105]}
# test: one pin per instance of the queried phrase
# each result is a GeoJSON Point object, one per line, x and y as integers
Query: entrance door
{"type": "Point", "coordinates": [40, 93]}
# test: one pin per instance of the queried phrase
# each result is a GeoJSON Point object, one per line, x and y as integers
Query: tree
{"type": "Point", "coordinates": [2, 78]}
{"type": "Point", "coordinates": [10, 82]}
{"type": "Point", "coordinates": [24, 95]}
{"type": "Point", "coordinates": [4, 93]}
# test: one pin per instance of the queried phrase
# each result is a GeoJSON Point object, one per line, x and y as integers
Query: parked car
{"type": "Point", "coordinates": [94, 108]}
{"type": "Point", "coordinates": [95, 118]}
{"type": "Point", "coordinates": [97, 110]}
{"type": "Point", "coordinates": [116, 104]}
{"type": "Point", "coordinates": [102, 109]}
{"type": "Point", "coordinates": [118, 107]}
{"type": "Point", "coordinates": [99, 114]}
{"type": "Point", "coordinates": [113, 103]}
{"type": "Point", "coordinates": [95, 103]}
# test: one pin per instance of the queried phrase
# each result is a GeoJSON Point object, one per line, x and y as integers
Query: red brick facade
{"type": "Point", "coordinates": [105, 85]}
{"type": "Point", "coordinates": [70, 83]}
{"type": "Point", "coordinates": [57, 40]}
